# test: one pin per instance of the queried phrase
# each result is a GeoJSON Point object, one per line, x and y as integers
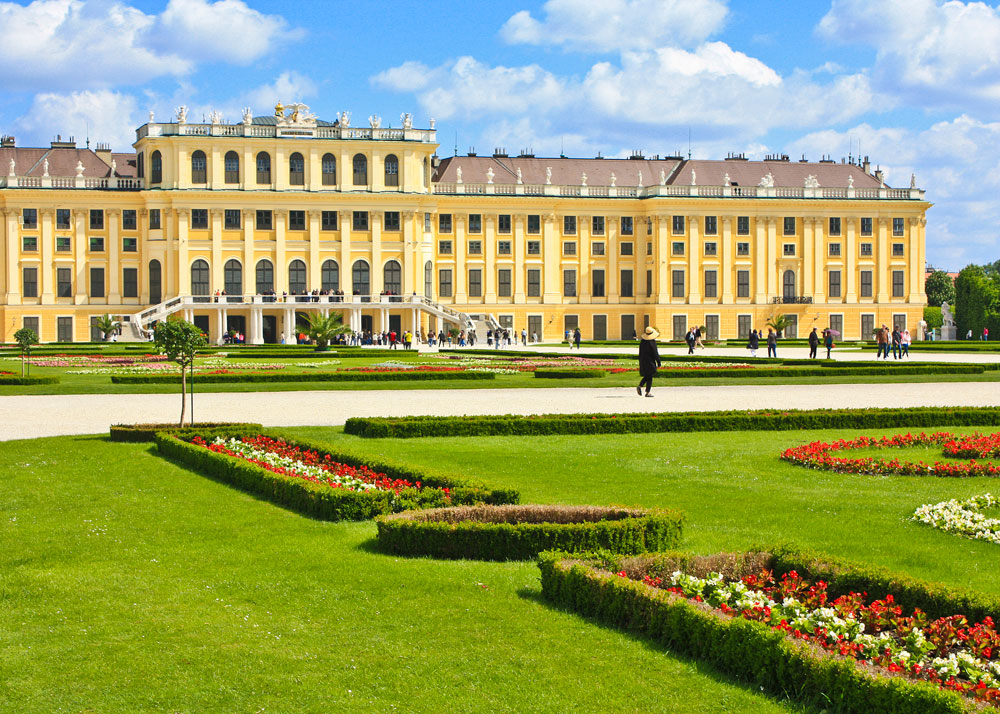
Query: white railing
{"type": "Point", "coordinates": [427, 136]}
{"type": "Point", "coordinates": [62, 182]}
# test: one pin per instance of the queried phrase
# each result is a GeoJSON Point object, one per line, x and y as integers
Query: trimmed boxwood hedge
{"type": "Point", "coordinates": [324, 502]}
{"type": "Point", "coordinates": [549, 373]}
{"type": "Point", "coordinates": [763, 420]}
{"type": "Point", "coordinates": [148, 432]}
{"type": "Point", "coordinates": [6, 379]}
{"type": "Point", "coordinates": [522, 532]}
{"type": "Point", "coordinates": [751, 652]}
{"type": "Point", "coordinates": [301, 377]}
{"type": "Point", "coordinates": [298, 354]}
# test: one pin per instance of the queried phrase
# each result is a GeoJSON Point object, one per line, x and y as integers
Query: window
{"type": "Point", "coordinates": [625, 286]}
{"type": "Point", "coordinates": [743, 283]}
{"type": "Point", "coordinates": [475, 223]}
{"type": "Point", "coordinates": [328, 167]}
{"type": "Point", "coordinates": [788, 249]}
{"type": "Point", "coordinates": [359, 221]}
{"type": "Point", "coordinates": [597, 283]}
{"type": "Point", "coordinates": [534, 247]}
{"type": "Point", "coordinates": [866, 250]}
{"type": "Point", "coordinates": [329, 275]}
{"type": "Point", "coordinates": [444, 223]}
{"type": "Point", "coordinates": [569, 283]}
{"type": "Point", "coordinates": [328, 221]}
{"type": "Point", "coordinates": [392, 277]}
{"type": "Point", "coordinates": [232, 167]}
{"type": "Point", "coordinates": [743, 225]}
{"type": "Point", "coordinates": [361, 278]}
{"type": "Point", "coordinates": [677, 284]}
{"type": "Point", "coordinates": [503, 282]}
{"type": "Point", "coordinates": [534, 224]}
{"type": "Point", "coordinates": [569, 247]}
{"type": "Point", "coordinates": [534, 282]}
{"type": "Point", "coordinates": [444, 247]}
{"type": "Point", "coordinates": [155, 282]}
{"type": "Point", "coordinates": [743, 326]}
{"type": "Point", "coordinates": [834, 250]}
{"type": "Point", "coordinates": [597, 248]}
{"type": "Point", "coordinates": [837, 324]}
{"type": "Point", "coordinates": [712, 248]}
{"type": "Point", "coordinates": [63, 244]}
{"type": "Point", "coordinates": [199, 218]}
{"type": "Point", "coordinates": [711, 327]}
{"type": "Point", "coordinates": [503, 247]}
{"type": "Point", "coordinates": [64, 329]}
{"type": "Point", "coordinates": [570, 323]}
{"type": "Point", "coordinates": [233, 277]}
{"type": "Point", "coordinates": [444, 282]}
{"type": "Point", "coordinates": [743, 249]}
{"type": "Point", "coordinates": [868, 326]}
{"type": "Point", "coordinates": [297, 277]}
{"type": "Point", "coordinates": [788, 284]}
{"type": "Point", "coordinates": [866, 226]}
{"type": "Point", "coordinates": [297, 220]}
{"type": "Point", "coordinates": [649, 248]}
{"type": "Point", "coordinates": [475, 282]}
{"type": "Point", "coordinates": [360, 170]}
{"type": "Point", "coordinates": [296, 170]}
{"type": "Point", "coordinates": [263, 168]}
{"type": "Point", "coordinates": [789, 226]}
{"type": "Point", "coordinates": [156, 168]}
{"type": "Point", "coordinates": [265, 220]}
{"type": "Point", "coordinates": [677, 248]}
{"type": "Point", "coordinates": [627, 226]}
{"type": "Point", "coordinates": [390, 221]}
{"type": "Point", "coordinates": [128, 220]}
{"type": "Point", "coordinates": [391, 170]}
{"type": "Point", "coordinates": [677, 225]}
{"type": "Point", "coordinates": [649, 283]}
{"type": "Point", "coordinates": [834, 284]}
{"type": "Point", "coordinates": [130, 282]}
{"type": "Point", "coordinates": [597, 225]}
{"type": "Point", "coordinates": [29, 244]}
{"type": "Point", "coordinates": [711, 225]}
{"type": "Point", "coordinates": [96, 244]}
{"type": "Point", "coordinates": [130, 245]}
{"type": "Point", "coordinates": [569, 225]}
{"type": "Point", "coordinates": [64, 282]}
{"type": "Point", "coordinates": [265, 277]}
{"type": "Point", "coordinates": [834, 225]}
{"type": "Point", "coordinates": [232, 219]}
{"type": "Point", "coordinates": [649, 230]}
{"type": "Point", "coordinates": [898, 250]}
{"type": "Point", "coordinates": [63, 217]}
{"type": "Point", "coordinates": [503, 223]}
{"type": "Point", "coordinates": [427, 222]}
{"type": "Point", "coordinates": [30, 323]}
{"type": "Point", "coordinates": [711, 284]}
{"type": "Point", "coordinates": [866, 283]}
{"type": "Point", "coordinates": [154, 219]}
{"type": "Point", "coordinates": [199, 278]}
{"type": "Point", "coordinates": [897, 283]}
{"type": "Point", "coordinates": [97, 282]}
{"type": "Point", "coordinates": [475, 247]}
{"type": "Point", "coordinates": [199, 167]}
{"type": "Point", "coordinates": [29, 283]}
{"type": "Point", "coordinates": [428, 279]}
{"type": "Point", "coordinates": [626, 248]}
{"type": "Point", "coordinates": [96, 219]}
{"type": "Point", "coordinates": [897, 226]}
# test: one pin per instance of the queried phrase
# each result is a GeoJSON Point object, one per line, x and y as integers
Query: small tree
{"type": "Point", "coordinates": [25, 338]}
{"type": "Point", "coordinates": [779, 323]}
{"type": "Point", "coordinates": [323, 329]}
{"type": "Point", "coordinates": [180, 341]}
{"type": "Point", "coordinates": [939, 288]}
{"type": "Point", "coordinates": [106, 324]}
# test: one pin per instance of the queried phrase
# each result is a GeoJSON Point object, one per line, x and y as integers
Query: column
{"type": "Point", "coordinates": [142, 215]}
{"type": "Point", "coordinates": [761, 268]}
{"type": "Point", "coordinates": [883, 269]}
{"type": "Point", "coordinates": [850, 260]}
{"type": "Point", "coordinates": [249, 265]}
{"type": "Point", "coordinates": [289, 325]}
{"type": "Point", "coordinates": [377, 274]}
{"type": "Point", "coordinates": [518, 246]}
{"type": "Point", "coordinates": [773, 256]}
{"type": "Point", "coordinates": [551, 259]}
{"type": "Point", "coordinates": [248, 169]}
{"type": "Point", "coordinates": [584, 283]}
{"type": "Point", "coordinates": [255, 333]}
{"type": "Point", "coordinates": [215, 226]}
{"type": "Point", "coordinates": [169, 267]}
{"type": "Point", "coordinates": [490, 256]}
{"type": "Point", "coordinates": [315, 278]}
{"type": "Point", "coordinates": [461, 274]}
{"type": "Point", "coordinates": [46, 271]}
{"type": "Point", "coordinates": [114, 251]}
{"type": "Point", "coordinates": [727, 248]}
{"type": "Point", "coordinates": [280, 266]}
{"type": "Point", "coordinates": [12, 282]}
{"type": "Point", "coordinates": [812, 267]}
{"type": "Point", "coordinates": [183, 264]}
{"type": "Point", "coordinates": [410, 263]}
{"type": "Point", "coordinates": [661, 254]}
{"type": "Point", "coordinates": [694, 260]}
{"type": "Point", "coordinates": [614, 251]}
{"type": "Point", "coordinates": [346, 279]}
{"type": "Point", "coordinates": [819, 278]}
{"type": "Point", "coordinates": [220, 324]}
{"type": "Point", "coordinates": [916, 280]}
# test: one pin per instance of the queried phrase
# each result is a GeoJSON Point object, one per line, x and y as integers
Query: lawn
{"type": "Point", "coordinates": [129, 584]}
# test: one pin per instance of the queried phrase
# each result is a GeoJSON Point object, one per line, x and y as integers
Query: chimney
{"type": "Point", "coordinates": [58, 143]}
{"type": "Point", "coordinates": [866, 166]}
{"type": "Point", "coordinates": [6, 142]}
{"type": "Point", "coordinates": [103, 152]}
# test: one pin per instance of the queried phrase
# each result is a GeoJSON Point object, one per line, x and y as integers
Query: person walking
{"type": "Point", "coordinates": [524, 337]}
{"type": "Point", "coordinates": [904, 343]}
{"type": "Point", "coordinates": [986, 334]}
{"type": "Point", "coordinates": [882, 337]}
{"type": "Point", "coordinates": [828, 342]}
{"type": "Point", "coordinates": [689, 338]}
{"type": "Point", "coordinates": [649, 360]}
{"type": "Point", "coordinates": [576, 338]}
{"type": "Point", "coordinates": [772, 343]}
{"type": "Point", "coordinates": [813, 343]}
{"type": "Point", "coordinates": [896, 337]}
{"type": "Point", "coordinates": [753, 344]}
{"type": "Point", "coordinates": [697, 338]}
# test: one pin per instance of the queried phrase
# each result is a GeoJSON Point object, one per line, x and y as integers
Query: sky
{"type": "Point", "coordinates": [913, 84]}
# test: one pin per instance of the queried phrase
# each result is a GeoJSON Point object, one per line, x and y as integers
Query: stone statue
{"type": "Point", "coordinates": [152, 116]}
{"type": "Point", "coordinates": [913, 180]}
{"type": "Point", "coordinates": [45, 167]}
{"type": "Point", "coordinates": [767, 181]}
{"type": "Point", "coordinates": [458, 175]}
{"type": "Point", "coordinates": [639, 183]}
{"type": "Point", "coordinates": [694, 178]}
{"type": "Point", "coordinates": [850, 182]}
{"type": "Point", "coordinates": [583, 179]}
{"type": "Point", "coordinates": [215, 117]}
{"type": "Point", "coordinates": [432, 124]}
{"type": "Point", "coordinates": [725, 180]}
{"type": "Point", "coordinates": [489, 175]}
{"type": "Point", "coordinates": [948, 329]}
{"type": "Point", "coordinates": [247, 116]}
{"type": "Point", "coordinates": [548, 174]}
{"type": "Point", "coordinates": [375, 121]}
{"type": "Point", "coordinates": [182, 114]}
{"type": "Point", "coordinates": [344, 118]}
{"type": "Point", "coordinates": [407, 120]}
{"type": "Point", "coordinates": [614, 179]}
{"type": "Point", "coordinates": [114, 167]}
{"type": "Point", "coordinates": [520, 180]}
{"type": "Point", "coordinates": [811, 181]}
{"type": "Point", "coordinates": [663, 177]}
{"type": "Point", "coordinates": [79, 169]}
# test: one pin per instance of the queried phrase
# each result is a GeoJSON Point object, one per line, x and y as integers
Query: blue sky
{"type": "Point", "coordinates": [914, 83]}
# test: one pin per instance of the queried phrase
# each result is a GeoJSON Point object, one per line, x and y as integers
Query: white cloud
{"type": "Point", "coordinates": [407, 77]}
{"type": "Point", "coordinates": [287, 87]}
{"type": "Point", "coordinates": [109, 117]}
{"type": "Point", "coordinates": [609, 25]}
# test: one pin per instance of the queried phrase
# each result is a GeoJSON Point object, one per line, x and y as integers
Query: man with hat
{"type": "Point", "coordinates": [649, 360]}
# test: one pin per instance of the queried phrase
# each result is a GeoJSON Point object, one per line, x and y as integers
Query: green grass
{"type": "Point", "coordinates": [130, 584]}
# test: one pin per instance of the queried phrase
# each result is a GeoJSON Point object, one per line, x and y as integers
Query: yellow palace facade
{"type": "Point", "coordinates": [244, 226]}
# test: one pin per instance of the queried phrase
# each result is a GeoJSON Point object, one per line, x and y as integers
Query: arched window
{"type": "Point", "coordinates": [392, 275]}
{"type": "Point", "coordinates": [199, 278]}
{"type": "Point", "coordinates": [329, 170]}
{"type": "Point", "coordinates": [233, 272]}
{"type": "Point", "coordinates": [330, 275]}
{"type": "Point", "coordinates": [297, 277]}
{"type": "Point", "coordinates": [265, 277]}
{"type": "Point", "coordinates": [155, 282]}
{"type": "Point", "coordinates": [156, 168]}
{"type": "Point", "coordinates": [361, 278]}
{"type": "Point", "coordinates": [264, 168]}
{"type": "Point", "coordinates": [428, 279]}
{"type": "Point", "coordinates": [232, 167]}
{"type": "Point", "coordinates": [199, 167]}
{"type": "Point", "coordinates": [360, 170]}
{"type": "Point", "coordinates": [788, 284]}
{"type": "Point", "coordinates": [391, 170]}
{"type": "Point", "coordinates": [296, 170]}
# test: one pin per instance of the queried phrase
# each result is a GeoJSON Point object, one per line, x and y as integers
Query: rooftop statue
{"type": "Point", "coordinates": [11, 172]}
{"type": "Point", "coordinates": [694, 177]}
{"type": "Point", "coordinates": [458, 175]}
{"type": "Point", "coordinates": [725, 180]}
{"type": "Point", "coordinates": [375, 121]}
{"type": "Point", "coordinates": [663, 177]}
{"type": "Point", "coordinates": [247, 115]}
{"type": "Point", "coordinates": [407, 120]}
{"type": "Point", "coordinates": [614, 179]}
{"type": "Point", "coordinates": [811, 181]}
{"type": "Point", "coordinates": [489, 175]}
{"type": "Point", "coordinates": [79, 169]}
{"type": "Point", "coordinates": [215, 117]}
{"type": "Point", "coordinates": [583, 179]}
{"type": "Point", "coordinates": [913, 180]}
{"type": "Point", "coordinates": [639, 183]}
{"type": "Point", "coordinates": [520, 180]}
{"type": "Point", "coordinates": [767, 181]}
{"type": "Point", "coordinates": [182, 114]}
{"type": "Point", "coordinates": [548, 175]}
{"type": "Point", "coordinates": [45, 167]}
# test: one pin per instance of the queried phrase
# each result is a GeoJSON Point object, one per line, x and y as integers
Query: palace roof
{"type": "Point", "coordinates": [63, 162]}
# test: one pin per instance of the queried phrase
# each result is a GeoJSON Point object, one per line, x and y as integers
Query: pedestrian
{"type": "Point", "coordinates": [986, 334]}
{"type": "Point", "coordinates": [772, 343]}
{"type": "Point", "coordinates": [968, 335]}
{"type": "Point", "coordinates": [904, 343]}
{"type": "Point", "coordinates": [576, 337]}
{"type": "Point", "coordinates": [697, 337]}
{"type": "Point", "coordinates": [649, 360]}
{"type": "Point", "coordinates": [753, 344]}
{"type": "Point", "coordinates": [524, 337]}
{"type": "Point", "coordinates": [813, 343]}
{"type": "Point", "coordinates": [896, 337]}
{"type": "Point", "coordinates": [828, 341]}
{"type": "Point", "coordinates": [689, 338]}
{"type": "Point", "coordinates": [882, 337]}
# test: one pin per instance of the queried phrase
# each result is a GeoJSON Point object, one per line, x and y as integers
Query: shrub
{"type": "Point", "coordinates": [24, 381]}
{"type": "Point", "coordinates": [147, 432]}
{"type": "Point", "coordinates": [236, 378]}
{"type": "Point", "coordinates": [547, 373]}
{"type": "Point", "coordinates": [521, 532]}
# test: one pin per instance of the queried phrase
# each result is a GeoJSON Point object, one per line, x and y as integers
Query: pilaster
{"type": "Point", "coordinates": [249, 264]}
{"type": "Point", "coordinates": [280, 263]}
{"type": "Point", "coordinates": [882, 269]}
{"type": "Point", "coordinates": [12, 281]}
{"type": "Point", "coordinates": [461, 275]}
{"type": "Point", "coordinates": [80, 253]}
{"type": "Point", "coordinates": [773, 256]}
{"type": "Point", "coordinates": [552, 261]}
{"type": "Point", "coordinates": [727, 247]}
{"type": "Point", "coordinates": [694, 260]}
{"type": "Point", "coordinates": [346, 267]}
{"type": "Point", "coordinates": [183, 262]}
{"type": "Point", "coordinates": [377, 271]}
{"type": "Point", "coordinates": [850, 261]}
{"type": "Point", "coordinates": [215, 231]}
{"type": "Point", "coordinates": [46, 271]}
{"type": "Point", "coordinates": [490, 256]}
{"type": "Point", "coordinates": [519, 246]}
{"type": "Point", "coordinates": [315, 278]}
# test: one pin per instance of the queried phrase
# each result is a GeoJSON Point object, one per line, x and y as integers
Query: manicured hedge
{"type": "Point", "coordinates": [6, 380]}
{"type": "Point", "coordinates": [302, 377]}
{"type": "Point", "coordinates": [553, 373]}
{"type": "Point", "coordinates": [297, 354]}
{"type": "Point", "coordinates": [522, 532]}
{"type": "Point", "coordinates": [324, 502]}
{"type": "Point", "coordinates": [751, 652]}
{"type": "Point", "coordinates": [763, 420]}
{"type": "Point", "coordinates": [148, 432]}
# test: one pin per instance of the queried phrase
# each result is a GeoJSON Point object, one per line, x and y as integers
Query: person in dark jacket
{"type": "Point", "coordinates": [813, 343]}
{"type": "Point", "coordinates": [649, 360]}
{"type": "Point", "coordinates": [576, 337]}
{"type": "Point", "coordinates": [772, 343]}
{"type": "Point", "coordinates": [828, 342]}
{"type": "Point", "coordinates": [753, 344]}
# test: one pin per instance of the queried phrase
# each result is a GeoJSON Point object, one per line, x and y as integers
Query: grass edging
{"type": "Point", "coordinates": [6, 380]}
{"type": "Point", "coordinates": [147, 432]}
{"type": "Point", "coordinates": [521, 532]}
{"type": "Point", "coordinates": [302, 377]}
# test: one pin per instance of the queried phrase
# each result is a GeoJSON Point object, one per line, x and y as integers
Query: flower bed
{"type": "Point", "coordinates": [818, 455]}
{"type": "Point", "coordinates": [521, 532]}
{"type": "Point", "coordinates": [963, 518]}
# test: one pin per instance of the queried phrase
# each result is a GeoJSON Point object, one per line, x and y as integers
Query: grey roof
{"type": "Point", "coordinates": [62, 162]}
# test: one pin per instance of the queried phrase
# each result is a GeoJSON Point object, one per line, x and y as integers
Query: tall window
{"type": "Point", "coordinates": [834, 225]}
{"type": "Point", "coordinates": [711, 225]}
{"type": "Point", "coordinates": [897, 226]}
{"type": "Point", "coordinates": [199, 278]}
{"type": "Point", "coordinates": [534, 224]}
{"type": "Point", "coordinates": [64, 282]}
{"type": "Point", "coordinates": [155, 282]}
{"type": "Point", "coordinates": [264, 168]}
{"type": "Point", "coordinates": [475, 223]}
{"type": "Point", "coordinates": [265, 277]}
{"type": "Point", "coordinates": [504, 282]}
{"type": "Point", "coordinates": [296, 170]}
{"type": "Point", "coordinates": [677, 284]}
{"type": "Point", "coordinates": [296, 220]}
{"type": "Point", "coordinates": [788, 284]}
{"type": "Point", "coordinates": [232, 163]}
{"type": "Point", "coordinates": [328, 221]}
{"type": "Point", "coordinates": [329, 168]}
{"type": "Point", "coordinates": [297, 277]}
{"type": "Point", "coordinates": [743, 284]}
{"type": "Point", "coordinates": [789, 226]}
{"type": "Point", "coordinates": [330, 275]}
{"type": "Point", "coordinates": [597, 283]}
{"type": "Point", "coordinates": [360, 170]}
{"type": "Point", "coordinates": [361, 278]}
{"type": "Point", "coordinates": [711, 284]}
{"type": "Point", "coordinates": [834, 281]}
{"type": "Point", "coordinates": [503, 223]}
{"type": "Point", "coordinates": [199, 167]}
{"type": "Point", "coordinates": [897, 284]}
{"type": "Point", "coordinates": [233, 277]}
{"type": "Point", "coordinates": [677, 225]}
{"type": "Point", "coordinates": [390, 221]}
{"type": "Point", "coordinates": [475, 282]}
{"type": "Point", "coordinates": [232, 219]}
{"type": "Point", "coordinates": [569, 283]}
{"type": "Point", "coordinates": [866, 283]}
{"type": "Point", "coordinates": [265, 220]}
{"type": "Point", "coordinates": [569, 225]}
{"type": "Point", "coordinates": [743, 225]}
{"type": "Point", "coordinates": [63, 219]}
{"type": "Point", "coordinates": [625, 288]}
{"type": "Point", "coordinates": [391, 170]}
{"type": "Point", "coordinates": [627, 225]}
{"type": "Point", "coordinates": [29, 283]}
{"type": "Point", "coordinates": [597, 225]}
{"type": "Point", "coordinates": [444, 282]}
{"type": "Point", "coordinates": [534, 282]}
{"type": "Point", "coordinates": [130, 282]}
{"type": "Point", "coordinates": [129, 220]}
{"type": "Point", "coordinates": [428, 279]}
{"type": "Point", "coordinates": [392, 277]}
{"type": "Point", "coordinates": [97, 219]}
{"type": "Point", "coordinates": [359, 221]}
{"type": "Point", "coordinates": [156, 168]}
{"type": "Point", "coordinates": [97, 282]}
{"type": "Point", "coordinates": [64, 329]}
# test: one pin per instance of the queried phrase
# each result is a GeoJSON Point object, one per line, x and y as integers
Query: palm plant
{"type": "Point", "coordinates": [323, 328]}
{"type": "Point", "coordinates": [779, 323]}
{"type": "Point", "coordinates": [106, 324]}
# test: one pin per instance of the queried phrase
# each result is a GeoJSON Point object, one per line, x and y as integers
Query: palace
{"type": "Point", "coordinates": [244, 226]}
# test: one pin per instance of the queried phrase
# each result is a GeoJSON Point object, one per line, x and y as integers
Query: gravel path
{"type": "Point", "coordinates": [35, 416]}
